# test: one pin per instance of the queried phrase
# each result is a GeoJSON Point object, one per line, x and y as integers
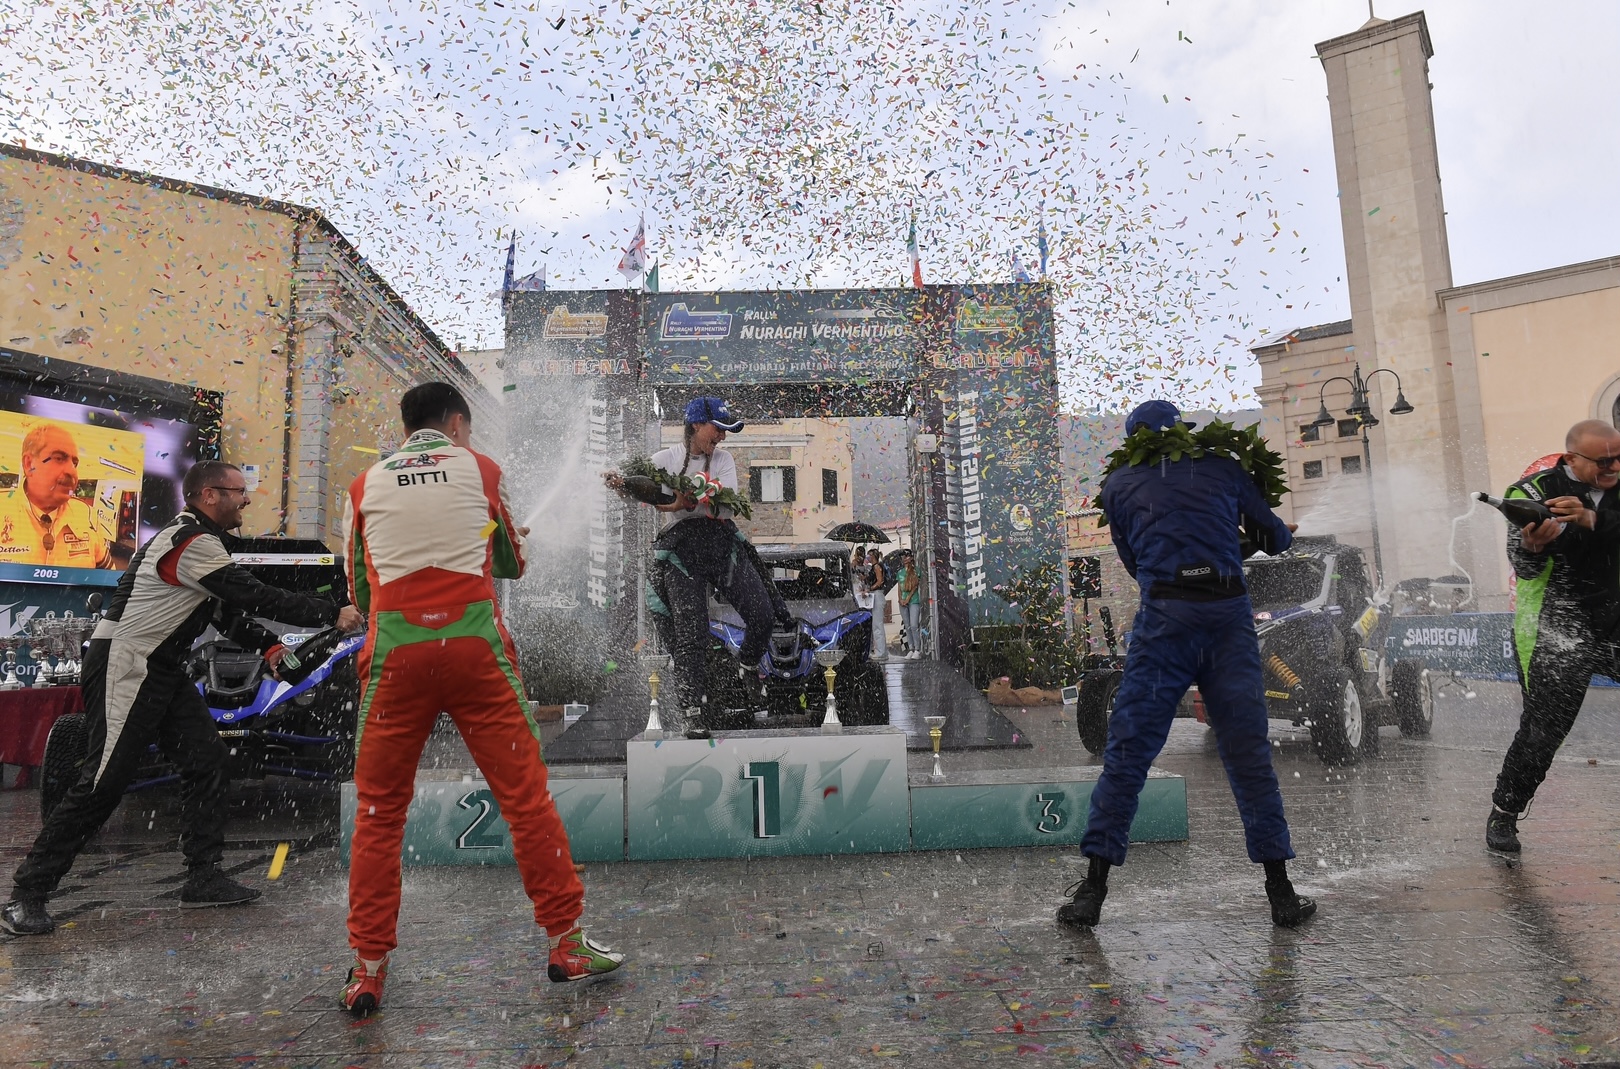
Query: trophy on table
{"type": "Point", "coordinates": [76, 631]}
{"type": "Point", "coordinates": [829, 659]}
{"type": "Point", "coordinates": [936, 732]}
{"type": "Point", "coordinates": [11, 681]}
{"type": "Point", "coordinates": [42, 633]}
{"type": "Point", "coordinates": [654, 661]}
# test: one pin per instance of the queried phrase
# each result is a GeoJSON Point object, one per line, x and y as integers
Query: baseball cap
{"type": "Point", "coordinates": [1159, 415]}
{"type": "Point", "coordinates": [712, 410]}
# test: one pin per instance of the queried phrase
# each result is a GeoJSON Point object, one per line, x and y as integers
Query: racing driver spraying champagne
{"type": "Point", "coordinates": [427, 532]}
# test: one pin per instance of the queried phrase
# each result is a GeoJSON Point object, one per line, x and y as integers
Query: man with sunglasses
{"type": "Point", "coordinates": [1567, 606]}
{"type": "Point", "coordinates": [137, 692]}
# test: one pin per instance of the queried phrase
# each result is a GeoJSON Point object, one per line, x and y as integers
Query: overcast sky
{"type": "Point", "coordinates": [1527, 117]}
{"type": "Point", "coordinates": [1202, 220]}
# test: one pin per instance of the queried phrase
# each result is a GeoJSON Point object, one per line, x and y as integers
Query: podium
{"type": "Point", "coordinates": [773, 794]}
{"type": "Point", "coordinates": [768, 794]}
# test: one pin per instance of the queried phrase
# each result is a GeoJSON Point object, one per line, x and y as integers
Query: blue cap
{"type": "Point", "coordinates": [1159, 415]}
{"type": "Point", "coordinates": [711, 410]}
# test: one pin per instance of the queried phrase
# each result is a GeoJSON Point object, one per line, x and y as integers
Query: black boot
{"type": "Point", "coordinates": [207, 886]}
{"type": "Point", "coordinates": [1288, 908]}
{"type": "Point", "coordinates": [1502, 832]}
{"type": "Point", "coordinates": [1086, 908]}
{"type": "Point", "coordinates": [26, 916]}
{"type": "Point", "coordinates": [694, 727]}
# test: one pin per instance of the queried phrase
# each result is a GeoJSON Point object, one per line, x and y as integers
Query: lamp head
{"type": "Point", "coordinates": [1324, 418]}
{"type": "Point", "coordinates": [1402, 406]}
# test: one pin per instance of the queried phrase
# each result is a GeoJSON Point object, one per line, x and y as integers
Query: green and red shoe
{"type": "Point", "coordinates": [577, 957]}
{"type": "Point", "coordinates": [362, 996]}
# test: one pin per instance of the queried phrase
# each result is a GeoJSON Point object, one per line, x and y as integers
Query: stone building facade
{"type": "Point", "coordinates": [265, 301]}
{"type": "Point", "coordinates": [1495, 371]}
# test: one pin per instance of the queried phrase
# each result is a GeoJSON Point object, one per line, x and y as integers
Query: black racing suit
{"type": "Point", "coordinates": [689, 557]}
{"type": "Point", "coordinates": [137, 690]}
{"type": "Point", "coordinates": [1567, 603]}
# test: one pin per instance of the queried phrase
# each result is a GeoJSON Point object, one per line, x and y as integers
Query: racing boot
{"type": "Point", "coordinates": [26, 916]}
{"type": "Point", "coordinates": [1502, 832]}
{"type": "Point", "coordinates": [1086, 908]}
{"type": "Point", "coordinates": [207, 886]}
{"type": "Point", "coordinates": [694, 727]}
{"type": "Point", "coordinates": [578, 957]}
{"type": "Point", "coordinates": [362, 995]}
{"type": "Point", "coordinates": [1289, 909]}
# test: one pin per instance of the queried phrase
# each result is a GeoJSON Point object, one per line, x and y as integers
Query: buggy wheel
{"type": "Point", "coordinates": [65, 750]}
{"type": "Point", "coordinates": [1341, 730]}
{"type": "Point", "coordinates": [1095, 708]}
{"type": "Point", "coordinates": [1412, 691]}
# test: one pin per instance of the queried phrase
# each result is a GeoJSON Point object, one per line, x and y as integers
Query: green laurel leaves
{"type": "Point", "coordinates": [685, 484]}
{"type": "Point", "coordinates": [1242, 444]}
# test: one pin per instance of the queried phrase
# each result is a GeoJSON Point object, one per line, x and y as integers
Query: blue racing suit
{"type": "Point", "coordinates": [1177, 527]}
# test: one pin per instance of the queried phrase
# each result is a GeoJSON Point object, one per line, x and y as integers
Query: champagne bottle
{"type": "Point", "coordinates": [1520, 511]}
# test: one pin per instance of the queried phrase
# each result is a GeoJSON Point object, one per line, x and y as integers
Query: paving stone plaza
{"type": "Point", "coordinates": [1427, 950]}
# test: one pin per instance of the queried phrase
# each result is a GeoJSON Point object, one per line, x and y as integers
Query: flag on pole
{"type": "Point", "coordinates": [650, 283]}
{"type": "Point", "coordinates": [1040, 241]}
{"type": "Point", "coordinates": [511, 265]}
{"type": "Point", "coordinates": [533, 282]}
{"type": "Point", "coordinates": [634, 260]}
{"type": "Point", "coordinates": [911, 248]}
{"type": "Point", "coordinates": [1020, 273]}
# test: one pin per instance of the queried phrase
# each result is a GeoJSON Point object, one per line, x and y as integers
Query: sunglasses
{"type": "Point", "coordinates": [1604, 463]}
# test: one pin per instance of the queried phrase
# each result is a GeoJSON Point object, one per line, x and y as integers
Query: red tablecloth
{"type": "Point", "coordinates": [26, 717]}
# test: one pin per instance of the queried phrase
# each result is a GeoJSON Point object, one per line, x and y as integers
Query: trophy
{"type": "Point", "coordinates": [936, 731]}
{"type": "Point", "coordinates": [655, 725]}
{"type": "Point", "coordinates": [39, 647]}
{"type": "Point", "coordinates": [11, 681]}
{"type": "Point", "coordinates": [829, 659]}
{"type": "Point", "coordinates": [58, 635]}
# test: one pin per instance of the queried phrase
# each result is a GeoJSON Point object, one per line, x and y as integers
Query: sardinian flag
{"type": "Point", "coordinates": [634, 260]}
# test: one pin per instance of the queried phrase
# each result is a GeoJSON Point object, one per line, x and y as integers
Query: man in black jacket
{"type": "Point", "coordinates": [1567, 603]}
{"type": "Point", "coordinates": [137, 692]}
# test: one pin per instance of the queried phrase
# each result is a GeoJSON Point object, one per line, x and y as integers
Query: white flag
{"type": "Point", "coordinates": [634, 260]}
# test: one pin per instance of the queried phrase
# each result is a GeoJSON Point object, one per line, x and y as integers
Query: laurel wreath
{"type": "Point", "coordinates": [702, 489]}
{"type": "Point", "coordinates": [1242, 444]}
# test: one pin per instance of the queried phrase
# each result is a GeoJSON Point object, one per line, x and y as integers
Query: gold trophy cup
{"type": "Point", "coordinates": [655, 725]}
{"type": "Point", "coordinates": [829, 659]}
{"type": "Point", "coordinates": [936, 731]}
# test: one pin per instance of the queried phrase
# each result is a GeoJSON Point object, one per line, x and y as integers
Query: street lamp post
{"type": "Point", "coordinates": [1361, 411]}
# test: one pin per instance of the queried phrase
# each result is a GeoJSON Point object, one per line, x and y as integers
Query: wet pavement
{"type": "Point", "coordinates": [1428, 950]}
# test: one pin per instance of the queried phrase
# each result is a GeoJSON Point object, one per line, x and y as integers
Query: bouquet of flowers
{"type": "Point", "coordinates": [1148, 446]}
{"type": "Point", "coordinates": [652, 485]}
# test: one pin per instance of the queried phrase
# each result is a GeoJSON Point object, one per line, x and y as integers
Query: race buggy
{"type": "Point", "coordinates": [816, 582]}
{"type": "Point", "coordinates": [303, 726]}
{"type": "Point", "coordinates": [1322, 652]}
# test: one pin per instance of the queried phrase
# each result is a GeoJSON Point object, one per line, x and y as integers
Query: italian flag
{"type": "Point", "coordinates": [911, 248]}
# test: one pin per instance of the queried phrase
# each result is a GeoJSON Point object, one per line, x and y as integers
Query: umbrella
{"type": "Point", "coordinates": [856, 532]}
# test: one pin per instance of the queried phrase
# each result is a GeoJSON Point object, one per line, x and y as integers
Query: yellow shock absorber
{"type": "Point", "coordinates": [1284, 673]}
